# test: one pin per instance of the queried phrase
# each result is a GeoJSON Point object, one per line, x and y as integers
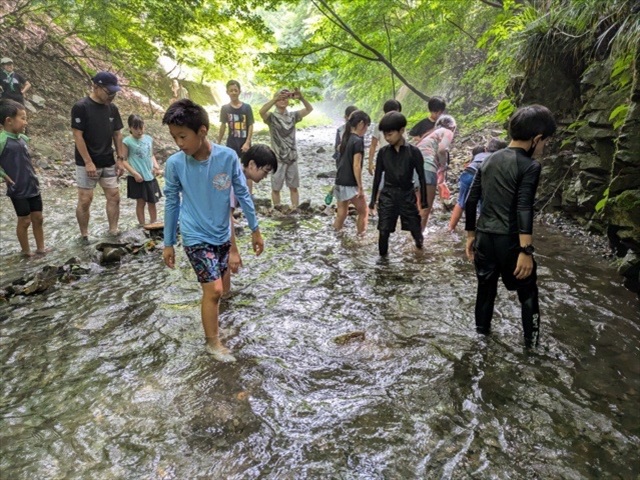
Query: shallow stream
{"type": "Point", "coordinates": [107, 377]}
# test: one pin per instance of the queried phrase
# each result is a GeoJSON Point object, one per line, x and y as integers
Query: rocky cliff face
{"type": "Point", "coordinates": [594, 175]}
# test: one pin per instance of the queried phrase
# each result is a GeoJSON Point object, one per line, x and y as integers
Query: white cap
{"type": "Point", "coordinates": [5, 60]}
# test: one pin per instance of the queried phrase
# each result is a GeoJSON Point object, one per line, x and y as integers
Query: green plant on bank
{"type": "Point", "coordinates": [603, 201]}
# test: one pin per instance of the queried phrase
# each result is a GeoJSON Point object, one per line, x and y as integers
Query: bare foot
{"type": "Point", "coordinates": [44, 251]}
{"type": "Point", "coordinates": [220, 353]}
{"type": "Point", "coordinates": [27, 254]}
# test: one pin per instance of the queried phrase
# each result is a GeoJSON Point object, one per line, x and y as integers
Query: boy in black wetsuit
{"type": "Point", "coordinates": [397, 160]}
{"type": "Point", "coordinates": [502, 243]}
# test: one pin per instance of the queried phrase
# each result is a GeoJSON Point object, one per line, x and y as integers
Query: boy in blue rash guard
{"type": "Point", "coordinates": [198, 182]}
{"type": "Point", "coordinates": [501, 245]}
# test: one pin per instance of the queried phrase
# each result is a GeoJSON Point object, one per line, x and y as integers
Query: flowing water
{"type": "Point", "coordinates": [107, 377]}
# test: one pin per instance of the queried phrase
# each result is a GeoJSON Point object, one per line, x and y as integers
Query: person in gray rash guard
{"type": "Point", "coordinates": [501, 245]}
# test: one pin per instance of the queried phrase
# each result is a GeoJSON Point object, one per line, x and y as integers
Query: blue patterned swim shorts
{"type": "Point", "coordinates": [208, 261]}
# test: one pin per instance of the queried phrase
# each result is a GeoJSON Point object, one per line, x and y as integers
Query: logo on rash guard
{"type": "Point", "coordinates": [221, 181]}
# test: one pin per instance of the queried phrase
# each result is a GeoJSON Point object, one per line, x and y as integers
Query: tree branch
{"type": "Point", "coordinates": [332, 16]}
{"type": "Point", "coordinates": [496, 4]}
{"type": "Point", "coordinates": [475, 40]}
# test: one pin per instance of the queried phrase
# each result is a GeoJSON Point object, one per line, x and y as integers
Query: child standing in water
{"type": "Point", "coordinates": [399, 162]}
{"type": "Point", "coordinates": [142, 166]}
{"type": "Point", "coordinates": [16, 169]}
{"type": "Point", "coordinates": [198, 186]}
{"type": "Point", "coordinates": [340, 131]}
{"type": "Point", "coordinates": [349, 188]}
{"type": "Point", "coordinates": [500, 244]}
{"type": "Point", "coordinates": [434, 147]}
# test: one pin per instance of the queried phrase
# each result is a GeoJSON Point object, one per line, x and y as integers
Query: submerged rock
{"type": "Point", "coordinates": [357, 336]}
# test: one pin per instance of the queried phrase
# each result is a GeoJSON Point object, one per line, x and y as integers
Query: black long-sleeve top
{"type": "Point", "coordinates": [506, 183]}
{"type": "Point", "coordinates": [398, 167]}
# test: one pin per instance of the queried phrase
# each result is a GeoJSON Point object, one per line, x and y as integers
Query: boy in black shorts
{"type": "Point", "coordinates": [397, 161]}
{"type": "Point", "coordinates": [23, 187]}
{"type": "Point", "coordinates": [502, 243]}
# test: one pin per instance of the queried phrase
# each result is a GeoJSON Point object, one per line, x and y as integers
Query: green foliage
{"type": "Point", "coordinates": [603, 201]}
{"type": "Point", "coordinates": [622, 72]}
{"type": "Point", "coordinates": [618, 115]}
{"type": "Point", "coordinates": [504, 110]}
{"type": "Point", "coordinates": [212, 37]}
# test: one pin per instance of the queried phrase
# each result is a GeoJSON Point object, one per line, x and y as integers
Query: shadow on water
{"type": "Point", "coordinates": [107, 377]}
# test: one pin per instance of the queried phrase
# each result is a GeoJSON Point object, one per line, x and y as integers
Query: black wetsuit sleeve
{"type": "Point", "coordinates": [377, 177]}
{"type": "Point", "coordinates": [470, 207]}
{"type": "Point", "coordinates": [526, 195]}
{"type": "Point", "coordinates": [418, 164]}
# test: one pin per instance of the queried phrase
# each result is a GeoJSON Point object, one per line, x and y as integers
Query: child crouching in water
{"type": "Point", "coordinates": [398, 161]}
{"type": "Point", "coordinates": [142, 166]}
{"type": "Point", "coordinates": [478, 155]}
{"type": "Point", "coordinates": [198, 182]}
{"type": "Point", "coordinates": [16, 170]}
{"type": "Point", "coordinates": [257, 162]}
{"type": "Point", "coordinates": [349, 187]}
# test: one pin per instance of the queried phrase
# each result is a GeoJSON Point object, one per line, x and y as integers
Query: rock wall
{"type": "Point", "coordinates": [593, 174]}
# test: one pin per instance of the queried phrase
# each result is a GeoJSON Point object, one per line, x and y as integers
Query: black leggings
{"type": "Point", "coordinates": [496, 256]}
{"type": "Point", "coordinates": [383, 240]}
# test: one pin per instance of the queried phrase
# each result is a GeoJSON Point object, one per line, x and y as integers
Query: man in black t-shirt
{"type": "Point", "coordinates": [502, 243]}
{"type": "Point", "coordinates": [14, 85]}
{"type": "Point", "coordinates": [96, 126]}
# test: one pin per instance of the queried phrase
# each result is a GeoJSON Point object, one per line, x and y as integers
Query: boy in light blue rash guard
{"type": "Point", "coordinates": [198, 182]}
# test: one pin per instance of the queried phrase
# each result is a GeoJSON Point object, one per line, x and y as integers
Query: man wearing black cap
{"type": "Point", "coordinates": [96, 125]}
{"type": "Point", "coordinates": [13, 84]}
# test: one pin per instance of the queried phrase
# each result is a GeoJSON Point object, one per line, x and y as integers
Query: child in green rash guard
{"type": "Point", "coordinates": [501, 245]}
{"type": "Point", "coordinates": [16, 170]}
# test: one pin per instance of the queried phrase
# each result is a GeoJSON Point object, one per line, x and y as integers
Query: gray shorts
{"type": "Point", "coordinates": [107, 178]}
{"type": "Point", "coordinates": [344, 193]}
{"type": "Point", "coordinates": [288, 173]}
{"type": "Point", "coordinates": [431, 178]}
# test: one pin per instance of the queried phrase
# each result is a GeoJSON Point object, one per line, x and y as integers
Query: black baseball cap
{"type": "Point", "coordinates": [107, 80]}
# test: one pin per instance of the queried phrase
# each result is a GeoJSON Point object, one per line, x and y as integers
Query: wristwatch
{"type": "Point", "coordinates": [527, 249]}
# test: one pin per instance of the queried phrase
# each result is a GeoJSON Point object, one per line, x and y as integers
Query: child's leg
{"type": "Point", "coordinates": [153, 213]}
{"type": "Point", "coordinates": [226, 282]}
{"type": "Point", "coordinates": [528, 297]}
{"type": "Point", "coordinates": [417, 237]}
{"type": "Point", "coordinates": [140, 203]}
{"type": "Point", "coordinates": [383, 242]}
{"type": "Point", "coordinates": [341, 214]}
{"type": "Point", "coordinates": [275, 197]}
{"type": "Point", "coordinates": [211, 293]}
{"type": "Point", "coordinates": [488, 253]}
{"type": "Point", "coordinates": [38, 231]}
{"type": "Point", "coordinates": [431, 195]}
{"type": "Point", "coordinates": [295, 197]}
{"type": "Point", "coordinates": [22, 231]}
{"type": "Point", "coordinates": [455, 217]}
{"type": "Point", "coordinates": [485, 300]}
{"type": "Point", "coordinates": [363, 213]}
